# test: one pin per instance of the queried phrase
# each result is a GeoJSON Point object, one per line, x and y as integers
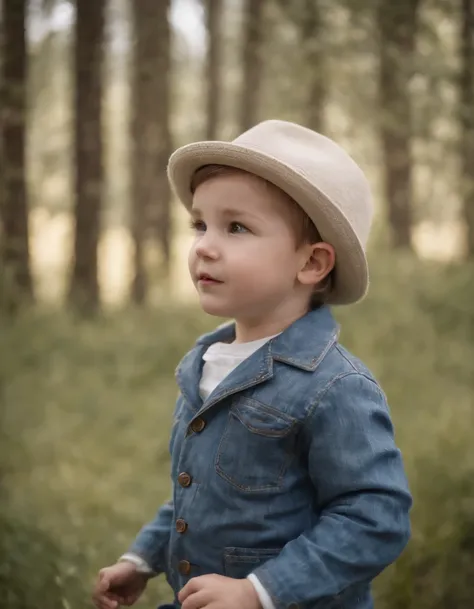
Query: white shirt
{"type": "Point", "coordinates": [220, 360]}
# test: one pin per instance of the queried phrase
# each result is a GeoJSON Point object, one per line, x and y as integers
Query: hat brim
{"type": "Point", "coordinates": [351, 276]}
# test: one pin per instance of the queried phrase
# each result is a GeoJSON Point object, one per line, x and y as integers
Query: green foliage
{"type": "Point", "coordinates": [86, 408]}
{"type": "Point", "coordinates": [33, 568]}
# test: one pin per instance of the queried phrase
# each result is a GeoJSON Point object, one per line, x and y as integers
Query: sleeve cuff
{"type": "Point", "coordinates": [264, 597]}
{"type": "Point", "coordinates": [139, 562]}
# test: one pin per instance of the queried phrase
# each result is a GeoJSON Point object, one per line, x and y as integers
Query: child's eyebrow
{"type": "Point", "coordinates": [232, 212]}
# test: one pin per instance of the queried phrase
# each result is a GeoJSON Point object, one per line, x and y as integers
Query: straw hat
{"type": "Point", "coordinates": [317, 173]}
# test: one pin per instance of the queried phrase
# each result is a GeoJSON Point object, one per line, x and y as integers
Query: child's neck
{"type": "Point", "coordinates": [247, 331]}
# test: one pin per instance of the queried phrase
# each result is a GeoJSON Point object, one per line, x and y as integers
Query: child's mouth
{"type": "Point", "coordinates": [206, 279]}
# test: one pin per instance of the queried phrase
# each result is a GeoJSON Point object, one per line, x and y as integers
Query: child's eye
{"type": "Point", "coordinates": [198, 226]}
{"type": "Point", "coordinates": [236, 227]}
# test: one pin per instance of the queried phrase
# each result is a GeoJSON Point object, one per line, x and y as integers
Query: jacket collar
{"type": "Point", "coordinates": [302, 345]}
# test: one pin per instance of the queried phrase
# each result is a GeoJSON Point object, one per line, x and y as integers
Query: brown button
{"type": "Point", "coordinates": [181, 525]}
{"type": "Point", "coordinates": [184, 479]}
{"type": "Point", "coordinates": [198, 425]}
{"type": "Point", "coordinates": [184, 567]}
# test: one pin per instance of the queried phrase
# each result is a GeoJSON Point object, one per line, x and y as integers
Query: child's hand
{"type": "Point", "coordinates": [119, 584]}
{"type": "Point", "coordinates": [218, 592]}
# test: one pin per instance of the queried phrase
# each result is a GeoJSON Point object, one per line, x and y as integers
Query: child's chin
{"type": "Point", "coordinates": [216, 309]}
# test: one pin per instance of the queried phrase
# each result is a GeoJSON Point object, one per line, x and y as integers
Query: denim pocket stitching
{"type": "Point", "coordinates": [255, 557]}
{"type": "Point", "coordinates": [271, 434]}
{"type": "Point", "coordinates": [247, 489]}
{"type": "Point", "coordinates": [252, 489]}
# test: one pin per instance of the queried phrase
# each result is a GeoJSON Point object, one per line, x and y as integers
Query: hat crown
{"type": "Point", "coordinates": [321, 162]}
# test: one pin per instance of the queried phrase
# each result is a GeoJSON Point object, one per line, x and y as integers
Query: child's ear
{"type": "Point", "coordinates": [320, 259]}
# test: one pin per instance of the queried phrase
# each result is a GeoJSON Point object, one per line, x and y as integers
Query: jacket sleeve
{"type": "Point", "coordinates": [151, 543]}
{"type": "Point", "coordinates": [363, 501]}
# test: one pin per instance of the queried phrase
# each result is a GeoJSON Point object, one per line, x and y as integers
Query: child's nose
{"type": "Point", "coordinates": [207, 246]}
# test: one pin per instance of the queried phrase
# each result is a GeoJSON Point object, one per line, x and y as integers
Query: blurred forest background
{"type": "Point", "coordinates": [96, 308]}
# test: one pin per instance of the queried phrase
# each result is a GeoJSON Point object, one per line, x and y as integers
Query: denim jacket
{"type": "Point", "coordinates": [288, 470]}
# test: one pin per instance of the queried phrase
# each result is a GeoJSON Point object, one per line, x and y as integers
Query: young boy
{"type": "Point", "coordinates": [288, 489]}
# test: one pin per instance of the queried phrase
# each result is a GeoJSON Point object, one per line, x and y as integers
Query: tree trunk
{"type": "Point", "coordinates": [398, 26]}
{"type": "Point", "coordinates": [14, 250]}
{"type": "Point", "coordinates": [251, 62]}
{"type": "Point", "coordinates": [89, 46]}
{"type": "Point", "coordinates": [213, 19]}
{"type": "Point", "coordinates": [467, 119]}
{"type": "Point", "coordinates": [311, 32]}
{"type": "Point", "coordinates": [150, 135]}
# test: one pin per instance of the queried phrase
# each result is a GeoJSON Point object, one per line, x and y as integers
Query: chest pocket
{"type": "Point", "coordinates": [256, 447]}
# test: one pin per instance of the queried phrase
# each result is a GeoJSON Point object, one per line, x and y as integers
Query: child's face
{"type": "Point", "coordinates": [244, 260]}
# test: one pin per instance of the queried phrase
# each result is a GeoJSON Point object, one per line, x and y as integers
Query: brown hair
{"type": "Point", "coordinates": [305, 229]}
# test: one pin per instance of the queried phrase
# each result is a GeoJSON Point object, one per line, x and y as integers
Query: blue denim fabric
{"type": "Point", "coordinates": [295, 476]}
